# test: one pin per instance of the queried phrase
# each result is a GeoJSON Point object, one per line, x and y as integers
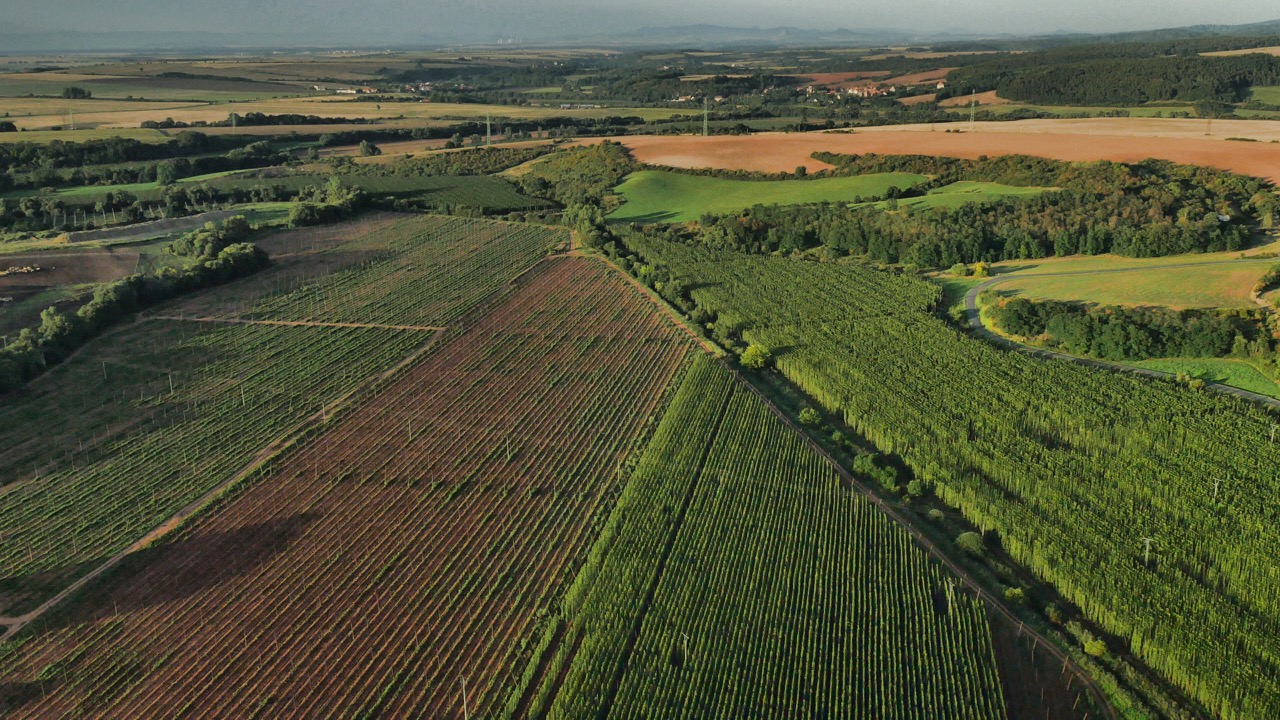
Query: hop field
{"type": "Point", "coordinates": [740, 577]}
{"type": "Point", "coordinates": [417, 541]}
{"type": "Point", "coordinates": [1071, 466]}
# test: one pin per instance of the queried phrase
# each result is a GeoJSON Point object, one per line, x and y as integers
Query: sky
{"type": "Point", "coordinates": [540, 19]}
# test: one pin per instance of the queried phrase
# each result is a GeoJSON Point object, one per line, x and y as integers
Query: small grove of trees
{"type": "Point", "coordinates": [586, 219]}
{"type": "Point", "coordinates": [61, 333]}
{"type": "Point", "coordinates": [368, 149]}
{"type": "Point", "coordinates": [321, 205]}
{"type": "Point", "coordinates": [74, 92]}
{"type": "Point", "coordinates": [7, 126]}
{"type": "Point", "coordinates": [211, 239]}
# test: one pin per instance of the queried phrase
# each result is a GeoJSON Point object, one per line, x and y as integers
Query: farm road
{"type": "Point", "coordinates": [975, 322]}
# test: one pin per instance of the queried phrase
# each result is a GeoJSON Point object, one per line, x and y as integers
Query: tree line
{"type": "Point", "coordinates": [1129, 333]}
{"type": "Point", "coordinates": [62, 332]}
{"type": "Point", "coordinates": [1109, 76]}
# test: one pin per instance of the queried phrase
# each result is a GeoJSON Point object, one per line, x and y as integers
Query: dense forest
{"type": "Point", "coordinates": [1119, 75]}
{"type": "Point", "coordinates": [1146, 209]}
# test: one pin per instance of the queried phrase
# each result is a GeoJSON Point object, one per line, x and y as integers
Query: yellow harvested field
{"type": "Point", "coordinates": [986, 98]}
{"type": "Point", "coordinates": [1274, 50]}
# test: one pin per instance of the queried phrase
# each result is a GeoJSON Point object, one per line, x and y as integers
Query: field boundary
{"type": "Point", "coordinates": [974, 315]}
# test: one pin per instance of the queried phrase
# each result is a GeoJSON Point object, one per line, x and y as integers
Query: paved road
{"type": "Point", "coordinates": [975, 322]}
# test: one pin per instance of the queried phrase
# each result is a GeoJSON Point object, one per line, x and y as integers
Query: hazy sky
{"type": "Point", "coordinates": [568, 17]}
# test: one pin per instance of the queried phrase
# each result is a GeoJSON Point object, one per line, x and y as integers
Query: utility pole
{"type": "Point", "coordinates": [1217, 483]}
{"type": "Point", "coordinates": [466, 713]}
{"type": "Point", "coordinates": [488, 129]}
{"type": "Point", "coordinates": [706, 117]}
{"type": "Point", "coordinates": [1273, 432]}
{"type": "Point", "coordinates": [686, 647]}
{"type": "Point", "coordinates": [973, 110]}
{"type": "Point", "coordinates": [1146, 558]}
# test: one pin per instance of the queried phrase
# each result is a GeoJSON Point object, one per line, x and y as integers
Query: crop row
{"type": "Point", "coordinates": [737, 577]}
{"type": "Point", "coordinates": [1072, 466]}
{"type": "Point", "coordinates": [425, 271]}
{"type": "Point", "coordinates": [417, 542]}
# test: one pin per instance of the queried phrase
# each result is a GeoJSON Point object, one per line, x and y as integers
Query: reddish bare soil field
{"type": "Point", "coordinates": [414, 543]}
{"type": "Point", "coordinates": [782, 152]}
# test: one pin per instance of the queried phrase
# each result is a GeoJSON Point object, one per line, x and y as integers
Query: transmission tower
{"type": "Point", "coordinates": [706, 116]}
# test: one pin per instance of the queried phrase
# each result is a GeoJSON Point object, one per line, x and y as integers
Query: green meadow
{"type": "Point", "coordinates": [663, 196]}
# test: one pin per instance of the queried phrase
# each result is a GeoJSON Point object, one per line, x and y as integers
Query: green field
{"type": "Point", "coordinates": [663, 196]}
{"type": "Point", "coordinates": [1224, 285]}
{"type": "Point", "coordinates": [1269, 95]}
{"type": "Point", "coordinates": [966, 191]}
{"type": "Point", "coordinates": [1224, 371]}
{"type": "Point", "coordinates": [48, 136]}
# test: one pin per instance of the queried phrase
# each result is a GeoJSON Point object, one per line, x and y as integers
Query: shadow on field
{"type": "Point", "coordinates": [14, 695]}
{"type": "Point", "coordinates": [178, 570]}
{"type": "Point", "coordinates": [653, 217]}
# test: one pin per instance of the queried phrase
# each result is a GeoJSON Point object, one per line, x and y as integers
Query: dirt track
{"type": "Point", "coordinates": [1119, 139]}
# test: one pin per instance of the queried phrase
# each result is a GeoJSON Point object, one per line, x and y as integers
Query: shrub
{"type": "Point", "coordinates": [809, 416]}
{"type": "Point", "coordinates": [756, 357]}
{"type": "Point", "coordinates": [971, 542]}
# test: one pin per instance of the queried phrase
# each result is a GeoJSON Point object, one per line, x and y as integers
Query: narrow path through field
{"type": "Point", "coordinates": [974, 315]}
{"type": "Point", "coordinates": [290, 323]}
{"type": "Point", "coordinates": [994, 602]}
{"type": "Point", "coordinates": [16, 624]}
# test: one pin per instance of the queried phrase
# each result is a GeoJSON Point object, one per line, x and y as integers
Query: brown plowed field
{"type": "Point", "coordinates": [1061, 140]}
{"type": "Point", "coordinates": [416, 542]}
{"type": "Point", "coordinates": [847, 79]}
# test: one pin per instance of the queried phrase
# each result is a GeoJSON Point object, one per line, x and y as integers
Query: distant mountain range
{"type": "Point", "coordinates": [711, 37]}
